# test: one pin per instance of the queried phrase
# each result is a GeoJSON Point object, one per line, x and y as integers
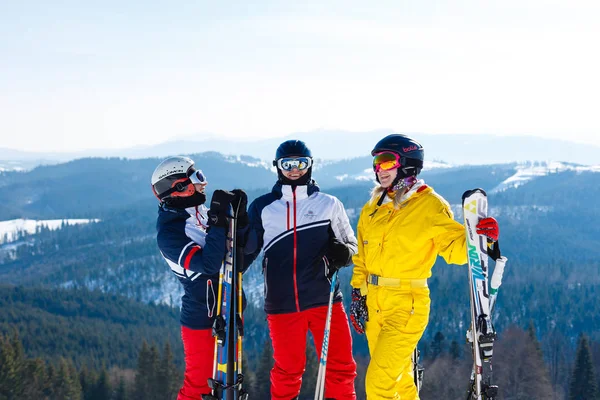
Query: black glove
{"type": "Point", "coordinates": [494, 250]}
{"type": "Point", "coordinates": [240, 203]}
{"type": "Point", "coordinates": [332, 268]}
{"type": "Point", "coordinates": [219, 208]}
{"type": "Point", "coordinates": [359, 313]}
{"type": "Point", "coordinates": [338, 254]}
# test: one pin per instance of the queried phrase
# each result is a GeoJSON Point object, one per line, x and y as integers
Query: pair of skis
{"type": "Point", "coordinates": [481, 334]}
{"type": "Point", "coordinates": [228, 328]}
{"type": "Point", "coordinates": [482, 301]}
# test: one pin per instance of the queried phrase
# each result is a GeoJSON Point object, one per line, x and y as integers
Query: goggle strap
{"type": "Point", "coordinates": [179, 187]}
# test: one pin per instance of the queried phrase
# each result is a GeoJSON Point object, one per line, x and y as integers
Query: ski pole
{"type": "Point", "coordinates": [496, 281]}
{"type": "Point", "coordinates": [320, 389]}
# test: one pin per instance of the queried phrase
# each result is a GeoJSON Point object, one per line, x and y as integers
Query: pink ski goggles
{"type": "Point", "coordinates": [386, 161]}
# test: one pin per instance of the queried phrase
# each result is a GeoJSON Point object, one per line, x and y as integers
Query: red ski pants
{"type": "Point", "coordinates": [199, 350]}
{"type": "Point", "coordinates": [288, 334]}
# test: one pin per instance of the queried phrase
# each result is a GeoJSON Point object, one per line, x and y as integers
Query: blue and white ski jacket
{"type": "Point", "coordinates": [195, 257]}
{"type": "Point", "coordinates": [293, 225]}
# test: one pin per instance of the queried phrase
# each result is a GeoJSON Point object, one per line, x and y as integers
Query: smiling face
{"type": "Point", "coordinates": [294, 174]}
{"type": "Point", "coordinates": [200, 187]}
{"type": "Point", "coordinates": [387, 177]}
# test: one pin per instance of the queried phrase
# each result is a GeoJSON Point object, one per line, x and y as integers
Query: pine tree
{"type": "Point", "coordinates": [121, 393]}
{"type": "Point", "coordinates": [102, 388]}
{"type": "Point", "coordinates": [262, 383]}
{"type": "Point", "coordinates": [77, 392]}
{"type": "Point", "coordinates": [153, 375]}
{"type": "Point", "coordinates": [437, 345]}
{"type": "Point", "coordinates": [84, 382]}
{"type": "Point", "coordinates": [19, 357]}
{"type": "Point", "coordinates": [249, 373]}
{"type": "Point", "coordinates": [65, 386]}
{"type": "Point", "coordinates": [454, 350]}
{"type": "Point", "coordinates": [49, 383]}
{"type": "Point", "coordinates": [10, 380]}
{"type": "Point", "coordinates": [166, 375]}
{"type": "Point", "coordinates": [145, 378]}
{"type": "Point", "coordinates": [533, 336]}
{"type": "Point", "coordinates": [583, 381]}
{"type": "Point", "coordinates": [519, 369]}
{"type": "Point", "coordinates": [35, 374]}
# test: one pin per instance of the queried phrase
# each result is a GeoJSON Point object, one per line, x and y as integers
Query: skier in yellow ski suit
{"type": "Point", "coordinates": [401, 231]}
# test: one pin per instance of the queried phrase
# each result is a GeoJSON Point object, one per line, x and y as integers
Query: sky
{"type": "Point", "coordinates": [112, 74]}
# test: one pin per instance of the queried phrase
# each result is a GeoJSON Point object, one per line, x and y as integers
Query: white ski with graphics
{"type": "Point", "coordinates": [481, 334]}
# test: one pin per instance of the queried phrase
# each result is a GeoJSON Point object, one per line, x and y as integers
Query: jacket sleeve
{"type": "Point", "coordinates": [254, 242]}
{"type": "Point", "coordinates": [449, 236]}
{"type": "Point", "coordinates": [177, 248]}
{"type": "Point", "coordinates": [359, 275]}
{"type": "Point", "coordinates": [342, 230]}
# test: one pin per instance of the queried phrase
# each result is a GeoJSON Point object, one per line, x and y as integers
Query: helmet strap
{"type": "Point", "coordinates": [185, 202]}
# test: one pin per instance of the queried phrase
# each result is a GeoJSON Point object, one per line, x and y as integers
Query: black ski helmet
{"type": "Point", "coordinates": [410, 151]}
{"type": "Point", "coordinates": [293, 148]}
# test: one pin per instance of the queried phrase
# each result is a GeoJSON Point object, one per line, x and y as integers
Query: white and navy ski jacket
{"type": "Point", "coordinates": [195, 257]}
{"type": "Point", "coordinates": [293, 225]}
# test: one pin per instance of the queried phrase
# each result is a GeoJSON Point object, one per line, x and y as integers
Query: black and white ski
{"type": "Point", "coordinates": [481, 334]}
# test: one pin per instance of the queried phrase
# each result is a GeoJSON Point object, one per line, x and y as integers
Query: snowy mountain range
{"type": "Point", "coordinates": [548, 212]}
{"type": "Point", "coordinates": [115, 193]}
{"type": "Point", "coordinates": [336, 145]}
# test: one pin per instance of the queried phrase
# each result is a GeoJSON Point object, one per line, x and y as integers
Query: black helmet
{"type": "Point", "coordinates": [291, 148]}
{"type": "Point", "coordinates": [410, 151]}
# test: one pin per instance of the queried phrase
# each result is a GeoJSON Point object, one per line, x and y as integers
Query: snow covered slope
{"type": "Point", "coordinates": [10, 229]}
{"type": "Point", "coordinates": [526, 172]}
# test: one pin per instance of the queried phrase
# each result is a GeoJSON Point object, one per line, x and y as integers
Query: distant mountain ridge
{"type": "Point", "coordinates": [457, 149]}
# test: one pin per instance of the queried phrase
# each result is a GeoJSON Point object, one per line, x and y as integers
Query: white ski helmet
{"type": "Point", "coordinates": [175, 177]}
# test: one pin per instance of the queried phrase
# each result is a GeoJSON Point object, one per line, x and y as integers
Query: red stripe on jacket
{"type": "Point", "coordinates": [188, 259]}
{"type": "Point", "coordinates": [295, 256]}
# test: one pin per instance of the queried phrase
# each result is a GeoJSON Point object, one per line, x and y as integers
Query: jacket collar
{"type": "Point", "coordinates": [302, 191]}
{"type": "Point", "coordinates": [417, 187]}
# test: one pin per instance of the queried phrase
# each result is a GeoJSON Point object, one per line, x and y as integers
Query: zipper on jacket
{"type": "Point", "coordinates": [295, 253]}
{"type": "Point", "coordinates": [288, 215]}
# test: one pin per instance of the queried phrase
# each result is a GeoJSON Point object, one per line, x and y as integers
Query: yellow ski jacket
{"type": "Point", "coordinates": [404, 242]}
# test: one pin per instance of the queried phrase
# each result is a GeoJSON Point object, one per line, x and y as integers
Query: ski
{"type": "Point", "coordinates": [481, 334]}
{"type": "Point", "coordinates": [227, 380]}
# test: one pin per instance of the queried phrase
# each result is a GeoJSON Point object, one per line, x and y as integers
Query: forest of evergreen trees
{"type": "Point", "coordinates": [519, 368]}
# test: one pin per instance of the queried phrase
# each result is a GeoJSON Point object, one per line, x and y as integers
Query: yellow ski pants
{"type": "Point", "coordinates": [398, 317]}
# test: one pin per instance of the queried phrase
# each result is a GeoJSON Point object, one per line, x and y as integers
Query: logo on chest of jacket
{"type": "Point", "coordinates": [310, 214]}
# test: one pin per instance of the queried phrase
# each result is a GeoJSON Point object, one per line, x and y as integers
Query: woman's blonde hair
{"type": "Point", "coordinates": [377, 192]}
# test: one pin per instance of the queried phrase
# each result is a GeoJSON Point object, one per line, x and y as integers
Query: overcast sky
{"type": "Point", "coordinates": [106, 74]}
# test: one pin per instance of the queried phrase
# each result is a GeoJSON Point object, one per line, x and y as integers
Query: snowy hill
{"type": "Point", "coordinates": [9, 230]}
{"type": "Point", "coordinates": [526, 172]}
